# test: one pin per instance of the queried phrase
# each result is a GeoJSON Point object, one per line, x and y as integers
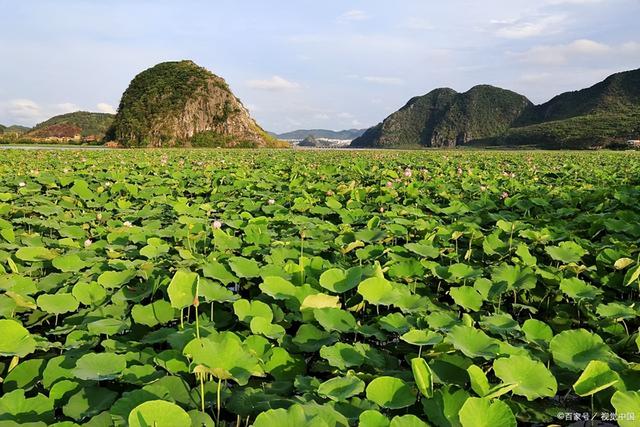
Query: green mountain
{"type": "Point", "coordinates": [348, 134]}
{"type": "Point", "coordinates": [81, 125]}
{"type": "Point", "coordinates": [2, 129]}
{"type": "Point", "coordinates": [16, 129]}
{"type": "Point", "coordinates": [182, 104]}
{"type": "Point", "coordinates": [604, 115]}
{"type": "Point", "coordinates": [446, 118]}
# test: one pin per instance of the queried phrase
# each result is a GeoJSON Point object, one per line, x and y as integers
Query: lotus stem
{"type": "Point", "coordinates": [218, 400]}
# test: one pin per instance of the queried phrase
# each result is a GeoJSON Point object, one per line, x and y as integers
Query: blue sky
{"type": "Point", "coordinates": [303, 64]}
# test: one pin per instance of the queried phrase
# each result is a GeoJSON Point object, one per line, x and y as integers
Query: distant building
{"type": "Point", "coordinates": [635, 143]}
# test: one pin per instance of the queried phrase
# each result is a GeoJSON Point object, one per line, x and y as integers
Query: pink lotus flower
{"type": "Point", "coordinates": [271, 202]}
{"type": "Point", "coordinates": [22, 184]}
{"type": "Point", "coordinates": [216, 225]}
{"type": "Point", "coordinates": [381, 210]}
{"type": "Point", "coordinates": [407, 173]}
{"type": "Point", "coordinates": [504, 195]}
{"type": "Point", "coordinates": [389, 184]}
{"type": "Point", "coordinates": [127, 224]}
{"type": "Point", "coordinates": [483, 188]}
{"type": "Point", "coordinates": [87, 243]}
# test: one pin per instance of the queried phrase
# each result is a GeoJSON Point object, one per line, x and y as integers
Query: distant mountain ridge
{"type": "Point", "coordinates": [300, 134]}
{"type": "Point", "coordinates": [605, 114]}
{"type": "Point", "coordinates": [80, 125]}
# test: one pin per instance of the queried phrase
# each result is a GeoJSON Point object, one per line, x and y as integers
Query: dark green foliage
{"type": "Point", "coordinates": [211, 139]}
{"type": "Point", "coordinates": [604, 115]}
{"type": "Point", "coordinates": [156, 94]}
{"type": "Point", "coordinates": [444, 117]}
{"type": "Point", "coordinates": [594, 130]}
{"type": "Point", "coordinates": [619, 93]}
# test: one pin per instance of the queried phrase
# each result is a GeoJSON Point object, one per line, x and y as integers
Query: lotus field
{"type": "Point", "coordinates": [292, 288]}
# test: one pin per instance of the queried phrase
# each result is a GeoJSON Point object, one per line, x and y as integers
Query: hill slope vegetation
{"type": "Point", "coordinates": [604, 115]}
{"type": "Point", "coordinates": [182, 104]}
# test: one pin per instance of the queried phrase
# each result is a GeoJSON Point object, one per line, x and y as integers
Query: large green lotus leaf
{"type": "Point", "coordinates": [617, 311]}
{"type": "Point", "coordinates": [156, 313]}
{"type": "Point", "coordinates": [514, 276]}
{"type": "Point", "coordinates": [391, 393]}
{"type": "Point", "coordinates": [69, 263]}
{"type": "Point", "coordinates": [309, 414]}
{"type": "Point", "coordinates": [81, 189]}
{"type": "Point", "coordinates": [373, 418]}
{"type": "Point", "coordinates": [574, 349]}
{"type": "Point", "coordinates": [320, 301]}
{"type": "Point", "coordinates": [341, 388]}
{"type": "Point", "coordinates": [501, 323]}
{"type": "Point", "coordinates": [279, 288]}
{"type": "Point", "coordinates": [35, 253]}
{"type": "Point", "coordinates": [342, 356]}
{"type": "Point", "coordinates": [423, 376]}
{"type": "Point", "coordinates": [377, 291]}
{"type": "Point", "coordinates": [407, 421]}
{"type": "Point", "coordinates": [158, 413]}
{"type": "Point", "coordinates": [246, 310]}
{"type": "Point", "coordinates": [15, 339]}
{"type": "Point", "coordinates": [467, 297]}
{"type": "Point", "coordinates": [481, 412]}
{"type": "Point", "coordinates": [627, 405]}
{"type": "Point", "coordinates": [173, 361]}
{"type": "Point", "coordinates": [284, 366]}
{"type": "Point", "coordinates": [533, 380]}
{"type": "Point", "coordinates": [292, 417]}
{"type": "Point", "coordinates": [310, 339]}
{"type": "Point", "coordinates": [89, 293]}
{"type": "Point", "coordinates": [183, 289]}
{"type": "Point", "coordinates": [225, 357]}
{"type": "Point", "coordinates": [478, 379]}
{"type": "Point", "coordinates": [100, 366]}
{"type": "Point", "coordinates": [107, 326]}
{"type": "Point", "coordinates": [89, 401]}
{"type": "Point", "coordinates": [262, 326]}
{"type": "Point", "coordinates": [217, 271]}
{"type": "Point", "coordinates": [63, 390]}
{"type": "Point", "coordinates": [423, 249]}
{"type": "Point", "coordinates": [115, 279]}
{"type": "Point", "coordinates": [16, 406]}
{"type": "Point", "coordinates": [24, 376]}
{"type": "Point", "coordinates": [199, 419]}
{"type": "Point", "coordinates": [578, 289]}
{"type": "Point", "coordinates": [422, 337]}
{"type": "Point", "coordinates": [335, 319]}
{"type": "Point", "coordinates": [566, 252]}
{"type": "Point", "coordinates": [212, 291]}
{"type": "Point", "coordinates": [460, 271]}
{"type": "Point", "coordinates": [57, 303]}
{"type": "Point", "coordinates": [122, 407]}
{"type": "Point", "coordinates": [339, 281]}
{"type": "Point", "coordinates": [244, 268]}
{"type": "Point", "coordinates": [473, 342]}
{"type": "Point", "coordinates": [537, 331]}
{"type": "Point", "coordinates": [596, 377]}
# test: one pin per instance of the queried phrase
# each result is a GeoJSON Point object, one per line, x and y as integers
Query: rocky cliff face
{"type": "Point", "coordinates": [175, 103]}
{"type": "Point", "coordinates": [446, 118]}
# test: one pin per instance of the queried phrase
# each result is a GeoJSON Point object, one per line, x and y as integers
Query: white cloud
{"type": "Point", "coordinates": [22, 110]}
{"type": "Point", "coordinates": [103, 107]}
{"type": "Point", "coordinates": [353, 15]}
{"type": "Point", "coordinates": [394, 81]}
{"type": "Point", "coordinates": [522, 29]}
{"type": "Point", "coordinates": [66, 107]}
{"type": "Point", "coordinates": [275, 84]}
{"type": "Point", "coordinates": [563, 53]}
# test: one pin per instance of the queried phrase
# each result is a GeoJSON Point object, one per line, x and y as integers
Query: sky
{"type": "Point", "coordinates": [329, 64]}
